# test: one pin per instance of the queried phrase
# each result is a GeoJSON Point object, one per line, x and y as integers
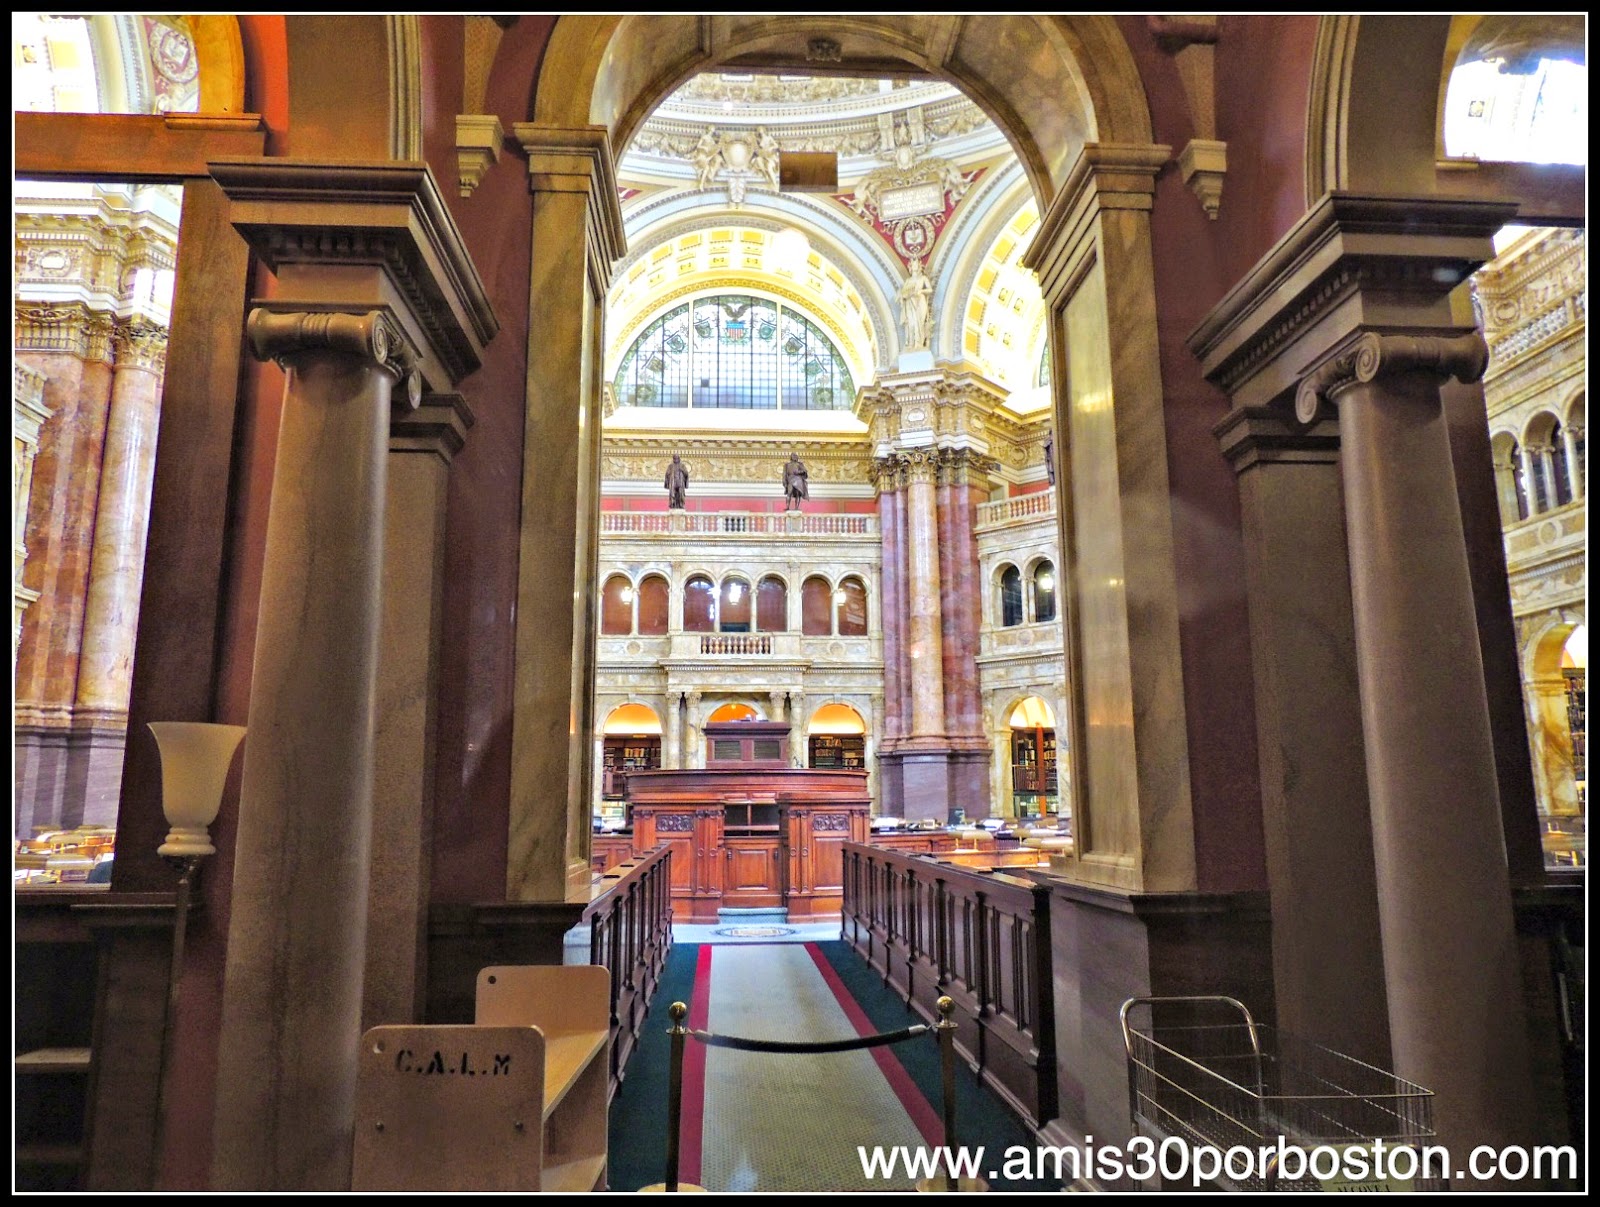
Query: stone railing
{"type": "Point", "coordinates": [981, 938]}
{"type": "Point", "coordinates": [1521, 340]}
{"type": "Point", "coordinates": [736, 643]}
{"type": "Point", "coordinates": [735, 523]}
{"type": "Point", "coordinates": [1024, 507]}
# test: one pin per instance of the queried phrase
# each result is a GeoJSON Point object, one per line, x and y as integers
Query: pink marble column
{"type": "Point", "coordinates": [924, 627]}
{"type": "Point", "coordinates": [1444, 896]}
{"type": "Point", "coordinates": [902, 679]}
{"type": "Point", "coordinates": [890, 603]}
{"type": "Point", "coordinates": [116, 570]}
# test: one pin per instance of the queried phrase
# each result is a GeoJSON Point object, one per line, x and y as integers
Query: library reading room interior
{"type": "Point", "coordinates": [1052, 547]}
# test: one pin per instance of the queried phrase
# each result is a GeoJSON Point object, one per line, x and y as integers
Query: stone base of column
{"type": "Point", "coordinates": [67, 776]}
{"type": "Point", "coordinates": [923, 783]}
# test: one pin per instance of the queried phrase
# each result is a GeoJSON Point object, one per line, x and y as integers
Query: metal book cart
{"type": "Point", "coordinates": [1203, 1071]}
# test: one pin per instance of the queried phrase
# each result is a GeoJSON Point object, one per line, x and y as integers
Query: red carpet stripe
{"type": "Point", "coordinates": [922, 1114]}
{"type": "Point", "coordinates": [693, 1118]}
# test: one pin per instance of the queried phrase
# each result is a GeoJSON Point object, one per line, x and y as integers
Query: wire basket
{"type": "Point", "coordinates": [1203, 1070]}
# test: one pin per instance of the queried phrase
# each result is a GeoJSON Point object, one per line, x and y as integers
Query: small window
{"type": "Point", "coordinates": [1010, 597]}
{"type": "Point", "coordinates": [699, 605]}
{"type": "Point", "coordinates": [1044, 592]}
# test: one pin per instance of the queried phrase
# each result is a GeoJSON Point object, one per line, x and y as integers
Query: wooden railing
{"type": "Point", "coordinates": [980, 938]}
{"type": "Point", "coordinates": [630, 921]}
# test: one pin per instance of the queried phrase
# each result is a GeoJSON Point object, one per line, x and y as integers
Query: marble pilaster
{"type": "Point", "coordinates": [422, 443]}
{"type": "Point", "coordinates": [1127, 735]}
{"type": "Point", "coordinates": [797, 729]}
{"type": "Point", "coordinates": [1326, 949]}
{"type": "Point", "coordinates": [576, 237]}
{"type": "Point", "coordinates": [672, 731]}
{"type": "Point", "coordinates": [887, 480]}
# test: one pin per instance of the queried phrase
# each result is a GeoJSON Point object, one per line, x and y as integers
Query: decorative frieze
{"type": "Point", "coordinates": [712, 459]}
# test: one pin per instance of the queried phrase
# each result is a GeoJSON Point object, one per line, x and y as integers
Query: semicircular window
{"type": "Point", "coordinates": [734, 351]}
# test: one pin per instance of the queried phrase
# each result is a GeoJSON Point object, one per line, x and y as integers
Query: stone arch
{"type": "Point", "coordinates": [1052, 83]}
{"type": "Point", "coordinates": [1541, 656]}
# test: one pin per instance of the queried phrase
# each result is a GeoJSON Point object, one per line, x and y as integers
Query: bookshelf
{"type": "Point", "coordinates": [641, 753]}
{"type": "Point", "coordinates": [839, 752]}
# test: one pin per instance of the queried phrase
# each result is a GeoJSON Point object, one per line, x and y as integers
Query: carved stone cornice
{"type": "Point", "coordinates": [141, 345]}
{"type": "Point", "coordinates": [1354, 263]}
{"type": "Point", "coordinates": [565, 159]}
{"type": "Point", "coordinates": [306, 217]}
{"type": "Point", "coordinates": [375, 337]}
{"type": "Point", "coordinates": [1373, 356]}
{"type": "Point", "coordinates": [733, 459]}
{"type": "Point", "coordinates": [1106, 176]}
{"type": "Point", "coordinates": [1252, 436]}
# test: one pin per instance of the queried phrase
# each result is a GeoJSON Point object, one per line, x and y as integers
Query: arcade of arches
{"type": "Point", "coordinates": [1173, 428]}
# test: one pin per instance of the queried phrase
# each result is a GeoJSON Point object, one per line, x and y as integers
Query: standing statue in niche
{"type": "Point", "coordinates": [794, 482]}
{"type": "Point", "coordinates": [677, 483]}
{"type": "Point", "coordinates": [914, 296]}
{"type": "Point", "coordinates": [1050, 457]}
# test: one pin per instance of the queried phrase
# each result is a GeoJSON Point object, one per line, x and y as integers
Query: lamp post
{"type": "Point", "coordinates": [195, 757]}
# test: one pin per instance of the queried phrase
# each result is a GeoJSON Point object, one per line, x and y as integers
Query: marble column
{"type": "Point", "coordinates": [1572, 432]}
{"type": "Point", "coordinates": [885, 473]}
{"type": "Point", "coordinates": [924, 624]}
{"type": "Point", "coordinates": [694, 755]}
{"type": "Point", "coordinates": [1456, 1013]}
{"type": "Point", "coordinates": [1328, 977]}
{"type": "Point", "coordinates": [672, 731]}
{"type": "Point", "coordinates": [422, 443]}
{"type": "Point", "coordinates": [797, 731]}
{"type": "Point", "coordinates": [291, 1012]}
{"type": "Point", "coordinates": [576, 237]}
{"type": "Point", "coordinates": [116, 568]}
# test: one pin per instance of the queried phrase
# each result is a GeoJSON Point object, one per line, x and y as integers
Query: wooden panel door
{"type": "Point", "coordinates": [750, 873]}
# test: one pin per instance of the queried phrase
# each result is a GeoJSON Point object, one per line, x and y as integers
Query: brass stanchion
{"type": "Point", "coordinates": [680, 1036]}
{"type": "Point", "coordinates": [948, 1181]}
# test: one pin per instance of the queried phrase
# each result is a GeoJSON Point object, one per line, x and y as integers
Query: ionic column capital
{"type": "Point", "coordinates": [285, 337]}
{"type": "Point", "coordinates": [1372, 356]}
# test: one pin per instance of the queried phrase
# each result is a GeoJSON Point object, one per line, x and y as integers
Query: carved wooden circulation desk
{"type": "Point", "coordinates": [748, 831]}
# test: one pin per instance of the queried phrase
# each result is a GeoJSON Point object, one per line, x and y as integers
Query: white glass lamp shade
{"type": "Point", "coordinates": [195, 757]}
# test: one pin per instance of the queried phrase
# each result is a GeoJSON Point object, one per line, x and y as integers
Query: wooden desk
{"type": "Point", "coordinates": [747, 837]}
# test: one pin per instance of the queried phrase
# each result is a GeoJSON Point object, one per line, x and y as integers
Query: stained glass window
{"type": "Point", "coordinates": [734, 351]}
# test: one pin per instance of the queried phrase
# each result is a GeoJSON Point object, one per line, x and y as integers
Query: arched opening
{"type": "Point", "coordinates": [733, 712]}
{"type": "Point", "coordinates": [772, 605]}
{"type": "Point", "coordinates": [616, 606]}
{"type": "Point", "coordinates": [1509, 491]}
{"type": "Point", "coordinates": [1576, 425]}
{"type": "Point", "coordinates": [850, 606]}
{"type": "Point", "coordinates": [816, 608]}
{"type": "Point", "coordinates": [1044, 592]}
{"type": "Point", "coordinates": [699, 605]}
{"type": "Point", "coordinates": [1557, 693]}
{"type": "Point", "coordinates": [1545, 453]}
{"type": "Point", "coordinates": [1033, 782]}
{"type": "Point", "coordinates": [735, 606]}
{"type": "Point", "coordinates": [837, 739]}
{"type": "Point", "coordinates": [632, 742]}
{"type": "Point", "coordinates": [652, 610]}
{"type": "Point", "coordinates": [1010, 596]}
